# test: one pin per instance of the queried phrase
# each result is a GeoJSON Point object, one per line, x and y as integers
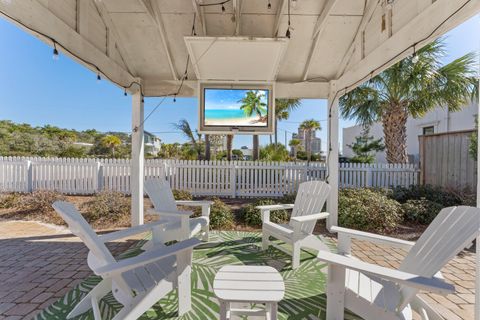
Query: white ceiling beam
{"type": "Point", "coordinates": [32, 14]}
{"type": "Point", "coordinates": [237, 11]}
{"type": "Point", "coordinates": [282, 6]}
{"type": "Point", "coordinates": [113, 36]}
{"type": "Point", "coordinates": [200, 15]}
{"type": "Point", "coordinates": [306, 90]}
{"type": "Point", "coordinates": [317, 32]}
{"type": "Point", "coordinates": [152, 9]}
{"type": "Point", "coordinates": [369, 10]}
{"type": "Point", "coordinates": [421, 30]}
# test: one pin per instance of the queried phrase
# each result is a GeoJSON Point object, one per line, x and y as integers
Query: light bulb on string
{"type": "Point", "coordinates": [415, 56]}
{"type": "Point", "coordinates": [269, 5]}
{"type": "Point", "coordinates": [55, 52]}
{"type": "Point", "coordinates": [99, 78]}
{"type": "Point", "coordinates": [223, 8]}
{"type": "Point", "coordinates": [125, 92]}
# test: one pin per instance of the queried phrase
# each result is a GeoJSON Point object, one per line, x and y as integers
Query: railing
{"type": "Point", "coordinates": [219, 178]}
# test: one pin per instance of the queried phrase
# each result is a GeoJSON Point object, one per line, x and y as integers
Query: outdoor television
{"type": "Point", "coordinates": [236, 108]}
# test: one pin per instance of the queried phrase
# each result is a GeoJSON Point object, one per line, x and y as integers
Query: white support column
{"type": "Point", "coordinates": [332, 158]}
{"type": "Point", "coordinates": [137, 170]}
{"type": "Point", "coordinates": [477, 250]}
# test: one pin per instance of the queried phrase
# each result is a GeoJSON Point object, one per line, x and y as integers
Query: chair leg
{"type": "Point", "coordinates": [223, 310]}
{"type": "Point", "coordinates": [296, 255]}
{"type": "Point", "coordinates": [335, 292]}
{"type": "Point", "coordinates": [265, 241]}
{"type": "Point", "coordinates": [100, 290]}
{"type": "Point", "coordinates": [184, 282]}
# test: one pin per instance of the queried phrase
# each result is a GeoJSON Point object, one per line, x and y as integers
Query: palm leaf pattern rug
{"type": "Point", "coordinates": [304, 294]}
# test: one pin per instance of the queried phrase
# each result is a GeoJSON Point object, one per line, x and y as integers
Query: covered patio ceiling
{"type": "Point", "coordinates": [142, 41]}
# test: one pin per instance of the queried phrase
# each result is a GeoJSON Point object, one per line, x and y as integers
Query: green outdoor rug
{"type": "Point", "coordinates": [305, 287]}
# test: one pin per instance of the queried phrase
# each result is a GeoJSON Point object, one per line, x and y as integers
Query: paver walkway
{"type": "Point", "coordinates": [40, 263]}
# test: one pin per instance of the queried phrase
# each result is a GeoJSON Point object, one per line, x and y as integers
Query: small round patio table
{"type": "Point", "coordinates": [248, 284]}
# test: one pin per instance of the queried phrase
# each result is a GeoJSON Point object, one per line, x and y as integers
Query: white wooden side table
{"type": "Point", "coordinates": [248, 284]}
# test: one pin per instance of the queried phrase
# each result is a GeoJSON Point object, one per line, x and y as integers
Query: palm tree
{"type": "Point", "coordinates": [309, 128]}
{"type": "Point", "coordinates": [296, 145]}
{"type": "Point", "coordinates": [229, 146]}
{"type": "Point", "coordinates": [412, 87]}
{"type": "Point", "coordinates": [111, 142]}
{"type": "Point", "coordinates": [256, 150]}
{"type": "Point", "coordinates": [187, 131]}
{"type": "Point", "coordinates": [283, 107]}
{"type": "Point", "coordinates": [252, 103]}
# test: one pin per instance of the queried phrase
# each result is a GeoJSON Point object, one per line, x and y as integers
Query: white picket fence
{"type": "Point", "coordinates": [219, 178]}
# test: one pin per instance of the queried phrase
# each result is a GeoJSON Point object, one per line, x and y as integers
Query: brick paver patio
{"type": "Point", "coordinates": [40, 263]}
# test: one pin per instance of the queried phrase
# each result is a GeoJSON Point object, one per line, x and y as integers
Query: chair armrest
{"type": "Point", "coordinates": [116, 235]}
{"type": "Point", "coordinates": [310, 217]}
{"type": "Point", "coordinates": [275, 207]}
{"type": "Point", "coordinates": [146, 258]}
{"type": "Point", "coordinates": [177, 214]}
{"type": "Point", "coordinates": [434, 285]}
{"type": "Point", "coordinates": [193, 203]}
{"type": "Point", "coordinates": [375, 238]}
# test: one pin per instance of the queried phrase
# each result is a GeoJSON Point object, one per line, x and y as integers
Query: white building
{"type": "Point", "coordinates": [439, 120]}
{"type": "Point", "coordinates": [153, 144]}
{"type": "Point", "coordinates": [316, 142]}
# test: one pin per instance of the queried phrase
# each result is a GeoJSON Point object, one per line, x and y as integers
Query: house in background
{"type": "Point", "coordinates": [153, 144]}
{"type": "Point", "coordinates": [315, 141]}
{"type": "Point", "coordinates": [439, 120]}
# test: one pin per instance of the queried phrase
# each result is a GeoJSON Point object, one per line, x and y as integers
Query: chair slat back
{"type": "Point", "coordinates": [160, 193]}
{"type": "Point", "coordinates": [311, 197]}
{"type": "Point", "coordinates": [451, 231]}
{"type": "Point", "coordinates": [80, 227]}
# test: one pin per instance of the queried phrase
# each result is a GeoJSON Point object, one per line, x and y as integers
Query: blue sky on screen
{"type": "Point", "coordinates": [37, 90]}
{"type": "Point", "coordinates": [229, 99]}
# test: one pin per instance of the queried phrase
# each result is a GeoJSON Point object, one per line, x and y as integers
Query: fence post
{"type": "Point", "coordinates": [233, 179]}
{"type": "Point", "coordinates": [29, 176]}
{"type": "Point", "coordinates": [99, 176]}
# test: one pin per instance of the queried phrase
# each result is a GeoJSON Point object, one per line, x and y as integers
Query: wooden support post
{"type": "Point", "coordinates": [137, 170]}
{"type": "Point", "coordinates": [332, 158]}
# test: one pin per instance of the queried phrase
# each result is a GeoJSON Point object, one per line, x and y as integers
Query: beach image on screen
{"type": "Point", "coordinates": [236, 107]}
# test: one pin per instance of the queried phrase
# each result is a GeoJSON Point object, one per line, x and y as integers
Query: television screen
{"type": "Point", "coordinates": [236, 107]}
{"type": "Point", "coordinates": [243, 109]}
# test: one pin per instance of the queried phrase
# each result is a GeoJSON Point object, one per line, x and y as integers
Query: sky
{"type": "Point", "coordinates": [38, 90]}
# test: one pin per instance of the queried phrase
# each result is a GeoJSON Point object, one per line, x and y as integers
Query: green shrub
{"type": "Point", "coordinates": [182, 195]}
{"type": "Point", "coordinates": [288, 198]}
{"type": "Point", "coordinates": [40, 200]}
{"type": "Point", "coordinates": [422, 211]}
{"type": "Point", "coordinates": [221, 216]}
{"type": "Point", "coordinates": [366, 210]}
{"type": "Point", "coordinates": [106, 206]}
{"type": "Point", "coordinates": [9, 200]}
{"type": "Point", "coordinates": [252, 217]}
{"type": "Point", "coordinates": [445, 197]}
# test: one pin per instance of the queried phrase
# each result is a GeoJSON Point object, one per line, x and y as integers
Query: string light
{"type": "Point", "coordinates": [269, 5]}
{"type": "Point", "coordinates": [125, 92]}
{"type": "Point", "coordinates": [98, 77]}
{"type": "Point", "coordinates": [223, 8]}
{"type": "Point", "coordinates": [175, 98]}
{"type": "Point", "coordinates": [288, 34]}
{"type": "Point", "coordinates": [55, 52]}
{"type": "Point", "coordinates": [415, 55]}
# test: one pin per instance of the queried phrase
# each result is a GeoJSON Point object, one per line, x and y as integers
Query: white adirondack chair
{"type": "Point", "coordinates": [179, 224]}
{"type": "Point", "coordinates": [138, 282]}
{"type": "Point", "coordinates": [375, 292]}
{"type": "Point", "coordinates": [298, 232]}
